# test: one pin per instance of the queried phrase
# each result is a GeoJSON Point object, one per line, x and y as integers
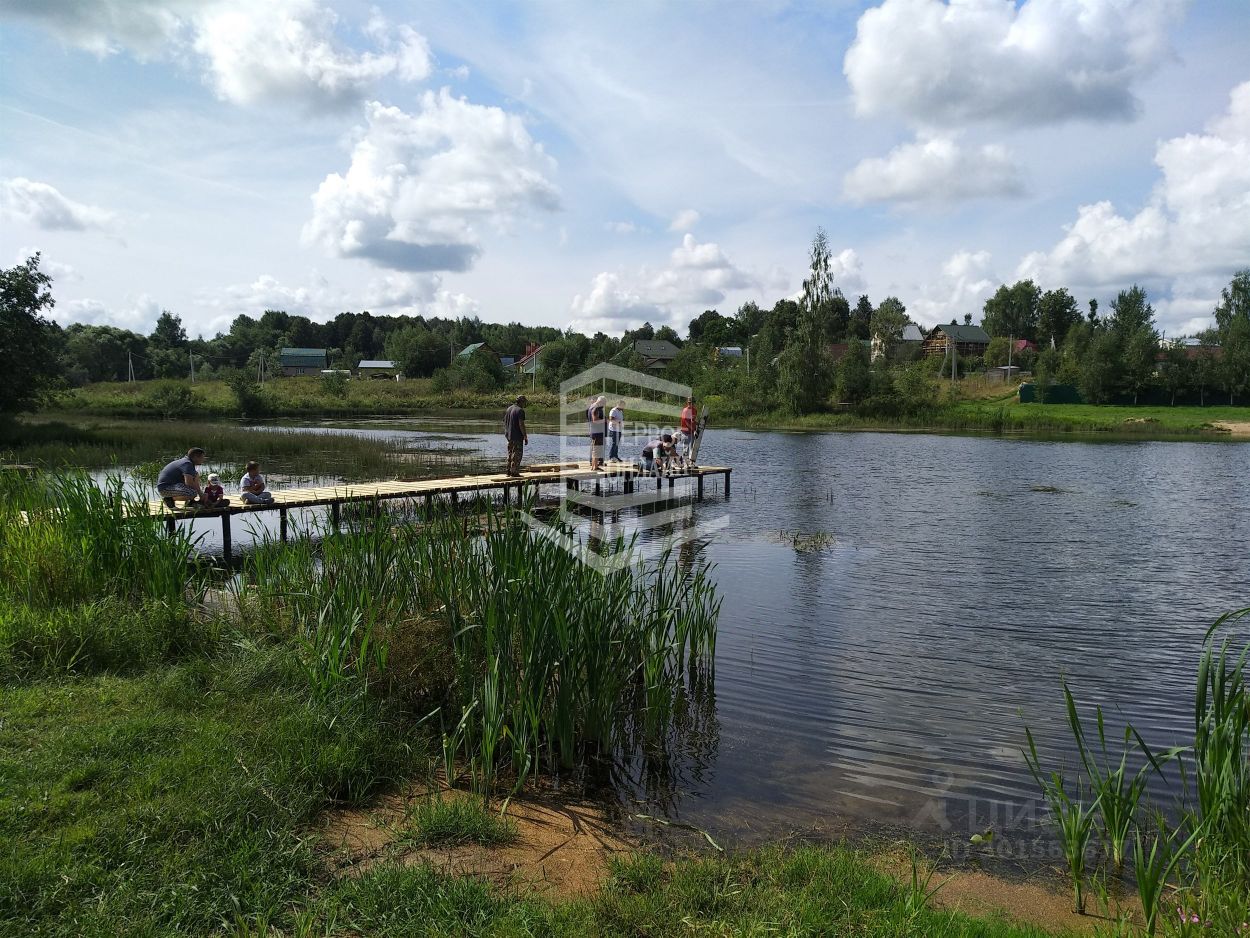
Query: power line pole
{"type": "Point", "coordinates": [191, 356]}
{"type": "Point", "coordinates": [130, 367]}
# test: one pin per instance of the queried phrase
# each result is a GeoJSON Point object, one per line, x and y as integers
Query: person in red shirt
{"type": "Point", "coordinates": [689, 424]}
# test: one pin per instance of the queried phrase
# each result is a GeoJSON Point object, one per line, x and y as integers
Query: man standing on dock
{"type": "Point", "coordinates": [597, 420]}
{"type": "Point", "coordinates": [689, 426]}
{"type": "Point", "coordinates": [179, 481]}
{"type": "Point", "coordinates": [514, 433]}
{"type": "Point", "coordinates": [616, 425]}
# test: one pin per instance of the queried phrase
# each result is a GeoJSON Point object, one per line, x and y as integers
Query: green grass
{"type": "Point", "coordinates": [444, 822]}
{"type": "Point", "coordinates": [178, 802]}
{"type": "Point", "coordinates": [174, 801]}
{"type": "Point", "coordinates": [1010, 416]}
{"type": "Point", "coordinates": [816, 891]}
{"type": "Point", "coordinates": [292, 397]}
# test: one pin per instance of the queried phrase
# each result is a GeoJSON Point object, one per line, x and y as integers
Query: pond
{"type": "Point", "coordinates": [898, 606]}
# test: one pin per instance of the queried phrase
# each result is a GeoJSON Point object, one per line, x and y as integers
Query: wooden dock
{"type": "Point", "coordinates": [571, 474]}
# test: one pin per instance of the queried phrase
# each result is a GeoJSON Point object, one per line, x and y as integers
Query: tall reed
{"type": "Point", "coordinates": [1204, 864]}
{"type": "Point", "coordinates": [88, 579]}
{"type": "Point", "coordinates": [549, 661]}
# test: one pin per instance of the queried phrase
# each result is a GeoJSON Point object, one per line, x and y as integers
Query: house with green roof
{"type": "Point", "coordinates": [968, 341]}
{"type": "Point", "coordinates": [478, 348]}
{"type": "Point", "coordinates": [302, 361]}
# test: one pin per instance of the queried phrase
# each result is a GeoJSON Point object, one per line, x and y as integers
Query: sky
{"type": "Point", "coordinates": [597, 165]}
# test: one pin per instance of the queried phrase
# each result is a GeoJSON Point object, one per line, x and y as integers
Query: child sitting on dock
{"type": "Point", "coordinates": [252, 486]}
{"type": "Point", "coordinates": [214, 495]}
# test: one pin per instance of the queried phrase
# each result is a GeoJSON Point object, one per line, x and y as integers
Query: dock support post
{"type": "Point", "coordinates": [658, 482]}
{"type": "Point", "coordinates": [505, 494]}
{"type": "Point", "coordinates": [629, 485]}
{"type": "Point", "coordinates": [726, 483]}
{"type": "Point", "coordinates": [700, 487]}
{"type": "Point", "coordinates": [335, 516]}
{"type": "Point", "coordinates": [597, 490]}
{"type": "Point", "coordinates": [455, 500]}
{"type": "Point", "coordinates": [282, 524]}
{"type": "Point", "coordinates": [429, 507]}
{"type": "Point", "coordinates": [170, 525]}
{"type": "Point", "coordinates": [227, 550]}
{"type": "Point", "coordinates": [671, 480]}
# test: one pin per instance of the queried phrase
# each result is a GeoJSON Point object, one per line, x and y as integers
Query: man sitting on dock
{"type": "Point", "coordinates": [514, 433]}
{"type": "Point", "coordinates": [179, 481]}
{"type": "Point", "coordinates": [252, 486]}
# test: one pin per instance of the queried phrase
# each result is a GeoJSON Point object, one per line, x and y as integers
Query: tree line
{"type": "Point", "coordinates": [800, 356]}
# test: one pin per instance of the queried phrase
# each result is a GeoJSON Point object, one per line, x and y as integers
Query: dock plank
{"type": "Point", "coordinates": [317, 496]}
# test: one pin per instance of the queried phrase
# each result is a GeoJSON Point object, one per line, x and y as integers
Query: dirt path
{"type": "Point", "coordinates": [562, 847]}
{"type": "Point", "coordinates": [1235, 427]}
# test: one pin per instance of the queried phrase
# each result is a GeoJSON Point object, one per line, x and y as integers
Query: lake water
{"type": "Point", "coordinates": [884, 676]}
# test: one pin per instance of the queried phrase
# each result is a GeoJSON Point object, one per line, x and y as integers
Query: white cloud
{"type": "Point", "coordinates": [1041, 61]}
{"type": "Point", "coordinates": [320, 300]}
{"type": "Point", "coordinates": [60, 273]}
{"type": "Point", "coordinates": [697, 276]}
{"type": "Point", "coordinates": [935, 170]}
{"type": "Point", "coordinates": [139, 316]}
{"type": "Point", "coordinates": [106, 27]}
{"type": "Point", "coordinates": [848, 272]}
{"type": "Point", "coordinates": [1197, 219]}
{"type": "Point", "coordinates": [421, 186]}
{"type": "Point", "coordinates": [622, 227]}
{"type": "Point", "coordinates": [284, 51]}
{"type": "Point", "coordinates": [684, 220]}
{"type": "Point", "coordinates": [610, 303]}
{"type": "Point", "coordinates": [963, 285]}
{"type": "Point", "coordinates": [281, 51]}
{"type": "Point", "coordinates": [42, 205]}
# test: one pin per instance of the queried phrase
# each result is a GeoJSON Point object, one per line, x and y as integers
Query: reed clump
{"type": "Point", "coordinates": [88, 579]}
{"type": "Point", "coordinates": [1191, 864]}
{"type": "Point", "coordinates": [547, 660]}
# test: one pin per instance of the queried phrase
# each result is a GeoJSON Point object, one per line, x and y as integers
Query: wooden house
{"type": "Point", "coordinates": [968, 341]}
{"type": "Point", "coordinates": [302, 361]}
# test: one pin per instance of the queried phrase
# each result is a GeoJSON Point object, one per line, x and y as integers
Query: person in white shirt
{"type": "Point", "coordinates": [616, 425]}
{"type": "Point", "coordinates": [252, 486]}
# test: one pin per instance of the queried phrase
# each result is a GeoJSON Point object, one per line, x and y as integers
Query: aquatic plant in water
{"type": "Point", "coordinates": [1204, 862]}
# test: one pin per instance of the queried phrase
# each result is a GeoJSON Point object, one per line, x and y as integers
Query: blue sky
{"type": "Point", "coordinates": [595, 165]}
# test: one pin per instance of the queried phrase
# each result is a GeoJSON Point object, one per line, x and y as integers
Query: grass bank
{"type": "Point", "coordinates": [1010, 416]}
{"type": "Point", "coordinates": [977, 408]}
{"type": "Point", "coordinates": [178, 802]}
{"type": "Point", "coordinates": [286, 397]}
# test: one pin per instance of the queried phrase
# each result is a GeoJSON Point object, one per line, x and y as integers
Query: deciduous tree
{"type": "Point", "coordinates": [28, 363]}
{"type": "Point", "coordinates": [1013, 311]}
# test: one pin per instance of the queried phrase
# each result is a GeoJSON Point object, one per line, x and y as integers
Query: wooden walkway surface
{"type": "Point", "coordinates": [571, 474]}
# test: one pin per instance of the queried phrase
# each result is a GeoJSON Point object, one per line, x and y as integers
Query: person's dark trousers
{"type": "Point", "coordinates": [615, 452]}
{"type": "Point", "coordinates": [516, 449]}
